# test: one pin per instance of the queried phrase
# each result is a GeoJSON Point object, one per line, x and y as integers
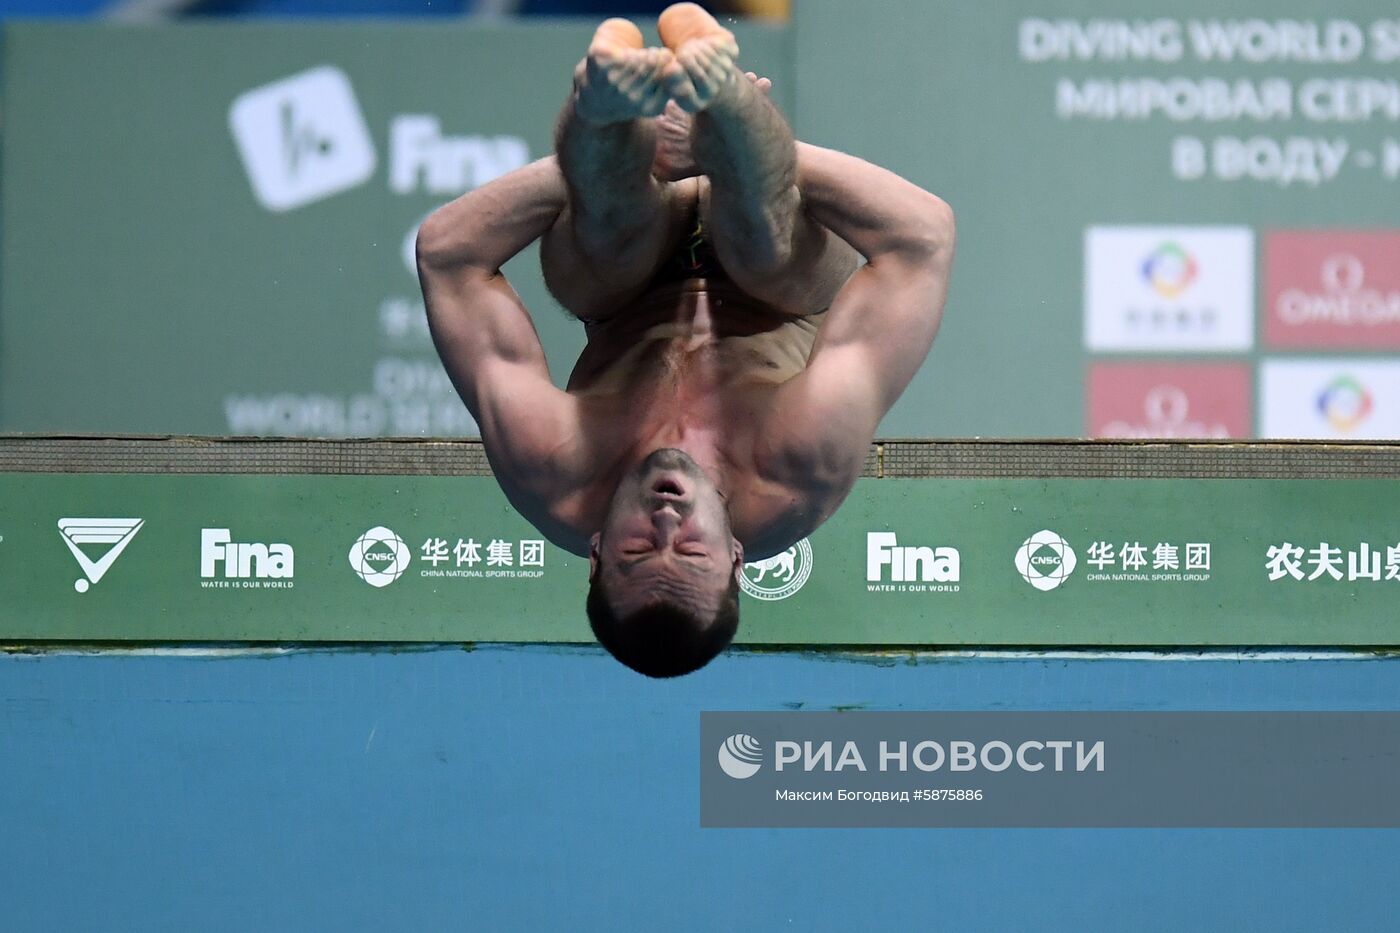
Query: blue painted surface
{"type": "Point", "coordinates": [26, 8]}
{"type": "Point", "coordinates": [250, 8]}
{"type": "Point", "coordinates": [534, 789]}
{"type": "Point", "coordinates": [333, 8]}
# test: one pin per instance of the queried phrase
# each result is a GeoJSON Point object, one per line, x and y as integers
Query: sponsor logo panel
{"type": "Point", "coordinates": [1330, 399]}
{"type": "Point", "coordinates": [779, 576]}
{"type": "Point", "coordinates": [489, 558]}
{"type": "Point", "coordinates": [227, 564]}
{"type": "Point", "coordinates": [379, 556]}
{"type": "Point", "coordinates": [891, 567]}
{"type": "Point", "coordinates": [1332, 289]}
{"type": "Point", "coordinates": [1147, 561]}
{"type": "Point", "coordinates": [1326, 562]}
{"type": "Point", "coordinates": [1047, 561]}
{"type": "Point", "coordinates": [1204, 400]}
{"type": "Point", "coordinates": [96, 543]}
{"type": "Point", "coordinates": [1169, 288]}
{"type": "Point", "coordinates": [302, 138]}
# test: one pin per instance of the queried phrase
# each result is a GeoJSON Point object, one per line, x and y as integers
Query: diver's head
{"type": "Point", "coordinates": [664, 571]}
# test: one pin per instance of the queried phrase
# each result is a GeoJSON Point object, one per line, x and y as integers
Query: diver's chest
{"type": "Point", "coordinates": [715, 393]}
{"type": "Point", "coordinates": [697, 369]}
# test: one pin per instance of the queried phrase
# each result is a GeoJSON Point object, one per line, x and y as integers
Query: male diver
{"type": "Point", "coordinates": [739, 354]}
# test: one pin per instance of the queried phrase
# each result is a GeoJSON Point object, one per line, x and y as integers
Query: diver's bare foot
{"type": "Point", "coordinates": [620, 80]}
{"type": "Point", "coordinates": [674, 159]}
{"type": "Point", "coordinates": [704, 56]}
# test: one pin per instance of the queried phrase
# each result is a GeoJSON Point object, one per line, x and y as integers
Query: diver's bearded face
{"type": "Point", "coordinates": [667, 535]}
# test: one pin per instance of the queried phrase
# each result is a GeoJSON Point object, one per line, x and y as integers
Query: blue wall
{"type": "Point", "coordinates": [540, 789]}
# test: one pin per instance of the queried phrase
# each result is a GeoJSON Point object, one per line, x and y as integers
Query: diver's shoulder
{"type": "Point", "coordinates": [785, 503]}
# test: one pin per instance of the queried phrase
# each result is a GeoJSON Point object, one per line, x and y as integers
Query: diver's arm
{"type": "Point", "coordinates": [478, 322]}
{"type": "Point", "coordinates": [884, 320]}
{"type": "Point", "coordinates": [879, 213]}
{"type": "Point", "coordinates": [879, 328]}
{"type": "Point", "coordinates": [485, 227]}
{"type": "Point", "coordinates": [487, 340]}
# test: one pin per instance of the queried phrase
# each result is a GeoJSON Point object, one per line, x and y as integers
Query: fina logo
{"type": "Point", "coordinates": [909, 564]}
{"type": "Point", "coordinates": [779, 576]}
{"type": "Point", "coordinates": [740, 756]}
{"type": "Point", "coordinates": [1045, 560]}
{"type": "Point", "coordinates": [302, 138]}
{"type": "Point", "coordinates": [218, 550]}
{"type": "Point", "coordinates": [379, 556]}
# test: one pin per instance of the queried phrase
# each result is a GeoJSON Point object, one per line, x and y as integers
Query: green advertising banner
{"type": "Point", "coordinates": [919, 562]}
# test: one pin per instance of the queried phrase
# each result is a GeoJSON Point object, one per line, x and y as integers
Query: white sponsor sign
{"type": "Point", "coordinates": [1330, 399]}
{"type": "Point", "coordinates": [1169, 288]}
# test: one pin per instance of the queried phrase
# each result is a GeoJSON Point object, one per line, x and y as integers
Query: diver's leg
{"type": "Point", "coordinates": [753, 207]}
{"type": "Point", "coordinates": [620, 222]}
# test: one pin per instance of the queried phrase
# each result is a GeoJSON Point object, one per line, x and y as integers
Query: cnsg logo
{"type": "Point", "coordinates": [379, 556]}
{"type": "Point", "coordinates": [1345, 403]}
{"type": "Point", "coordinates": [1170, 270]}
{"type": "Point", "coordinates": [1045, 560]}
{"type": "Point", "coordinates": [740, 756]}
{"type": "Point", "coordinates": [779, 576]}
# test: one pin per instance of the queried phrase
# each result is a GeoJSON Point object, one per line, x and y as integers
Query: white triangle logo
{"type": "Point", "coordinates": [116, 532]}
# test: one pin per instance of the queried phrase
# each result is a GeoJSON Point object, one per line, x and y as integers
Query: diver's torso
{"type": "Point", "coordinates": [696, 335]}
{"type": "Point", "coordinates": [699, 362]}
